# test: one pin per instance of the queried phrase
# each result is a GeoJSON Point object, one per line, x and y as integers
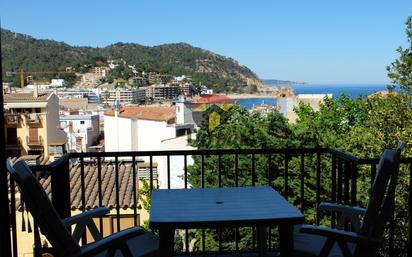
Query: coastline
{"type": "Point", "coordinates": [249, 96]}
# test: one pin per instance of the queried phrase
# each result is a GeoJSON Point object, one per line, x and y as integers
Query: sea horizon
{"type": "Point", "coordinates": [353, 90]}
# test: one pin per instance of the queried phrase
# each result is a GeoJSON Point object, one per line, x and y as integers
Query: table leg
{"type": "Point", "coordinates": [166, 242]}
{"type": "Point", "coordinates": [262, 240]}
{"type": "Point", "coordinates": [286, 239]}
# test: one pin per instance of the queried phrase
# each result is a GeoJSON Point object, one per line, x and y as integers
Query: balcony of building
{"type": "Point", "coordinates": [33, 119]}
{"type": "Point", "coordinates": [11, 119]}
{"type": "Point", "coordinates": [305, 177]}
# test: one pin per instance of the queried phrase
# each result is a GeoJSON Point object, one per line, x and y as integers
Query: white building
{"type": "Point", "coordinates": [147, 128]}
{"type": "Point", "coordinates": [177, 163]}
{"type": "Point", "coordinates": [286, 105]}
{"type": "Point", "coordinates": [57, 83]}
{"type": "Point", "coordinates": [124, 96]}
{"type": "Point", "coordinates": [138, 128]}
{"type": "Point", "coordinates": [92, 95]}
{"type": "Point", "coordinates": [82, 131]}
{"type": "Point", "coordinates": [205, 91]}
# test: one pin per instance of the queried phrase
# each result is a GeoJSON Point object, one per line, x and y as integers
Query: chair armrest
{"type": "Point", "coordinates": [85, 216]}
{"type": "Point", "coordinates": [347, 212]}
{"type": "Point", "coordinates": [339, 235]}
{"type": "Point", "coordinates": [325, 206]}
{"type": "Point", "coordinates": [109, 242]}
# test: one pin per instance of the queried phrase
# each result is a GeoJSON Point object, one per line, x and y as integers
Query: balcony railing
{"type": "Point", "coordinates": [34, 141]}
{"type": "Point", "coordinates": [11, 119]}
{"type": "Point", "coordinates": [32, 118]}
{"type": "Point", "coordinates": [305, 177]}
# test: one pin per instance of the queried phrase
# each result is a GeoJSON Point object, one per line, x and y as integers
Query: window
{"type": "Point", "coordinates": [56, 150]}
{"type": "Point", "coordinates": [37, 110]}
{"type": "Point", "coordinates": [82, 122]}
{"type": "Point", "coordinates": [12, 136]}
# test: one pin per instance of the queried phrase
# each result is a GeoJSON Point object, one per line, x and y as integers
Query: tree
{"type": "Point", "coordinates": [400, 71]}
{"type": "Point", "coordinates": [237, 129]}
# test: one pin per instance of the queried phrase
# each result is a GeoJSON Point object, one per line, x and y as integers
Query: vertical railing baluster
{"type": "Point", "coordinates": [391, 244]}
{"type": "Point", "coordinates": [202, 174]}
{"type": "Point", "coordinates": [185, 169]}
{"type": "Point", "coordinates": [333, 215]}
{"type": "Point", "coordinates": [236, 185]}
{"type": "Point", "coordinates": [116, 172]}
{"type": "Point", "coordinates": [347, 175]}
{"type": "Point", "coordinates": [353, 185]}
{"type": "Point", "coordinates": [151, 172]}
{"type": "Point", "coordinates": [409, 250]}
{"type": "Point", "coordinates": [99, 189]}
{"type": "Point", "coordinates": [13, 215]}
{"type": "Point", "coordinates": [302, 182]}
{"type": "Point", "coordinates": [83, 190]}
{"type": "Point", "coordinates": [318, 166]}
{"type": "Point", "coordinates": [185, 174]}
{"type": "Point", "coordinates": [285, 176]}
{"type": "Point", "coordinates": [202, 170]}
{"type": "Point", "coordinates": [219, 163]}
{"type": "Point", "coordinates": [135, 183]}
{"type": "Point", "coordinates": [253, 184]}
{"type": "Point", "coordinates": [168, 171]}
{"type": "Point", "coordinates": [236, 170]}
{"type": "Point", "coordinates": [253, 169]}
{"type": "Point", "coordinates": [340, 189]}
{"type": "Point", "coordinates": [269, 232]}
{"type": "Point", "coordinates": [373, 172]}
{"type": "Point", "coordinates": [220, 185]}
{"type": "Point", "coordinates": [269, 170]}
{"type": "Point", "coordinates": [37, 240]}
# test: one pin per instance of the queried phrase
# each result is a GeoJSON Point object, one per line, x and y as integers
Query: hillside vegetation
{"type": "Point", "coordinates": [216, 71]}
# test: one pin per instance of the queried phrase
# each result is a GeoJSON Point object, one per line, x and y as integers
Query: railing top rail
{"type": "Point", "coordinates": [52, 166]}
{"type": "Point", "coordinates": [343, 155]}
{"type": "Point", "coordinates": [406, 160]}
{"type": "Point", "coordinates": [201, 152]}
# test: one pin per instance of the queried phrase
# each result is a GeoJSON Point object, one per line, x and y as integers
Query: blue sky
{"type": "Point", "coordinates": [317, 41]}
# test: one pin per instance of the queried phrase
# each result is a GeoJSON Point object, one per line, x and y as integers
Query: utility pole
{"type": "Point", "coordinates": [5, 242]}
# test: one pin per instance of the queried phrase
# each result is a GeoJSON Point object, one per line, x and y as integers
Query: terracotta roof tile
{"type": "Point", "coordinates": [156, 113]}
{"type": "Point", "coordinates": [108, 184]}
{"type": "Point", "coordinates": [215, 98]}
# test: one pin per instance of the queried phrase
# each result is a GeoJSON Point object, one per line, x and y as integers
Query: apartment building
{"type": "Point", "coordinates": [32, 124]}
{"type": "Point", "coordinates": [92, 95]}
{"type": "Point", "coordinates": [155, 78]}
{"type": "Point", "coordinates": [161, 92]}
{"type": "Point", "coordinates": [82, 131]}
{"type": "Point", "coordinates": [100, 71]}
{"type": "Point", "coordinates": [138, 81]}
{"type": "Point", "coordinates": [124, 96]}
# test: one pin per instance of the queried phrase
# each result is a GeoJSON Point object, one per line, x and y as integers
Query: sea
{"type": "Point", "coordinates": [353, 91]}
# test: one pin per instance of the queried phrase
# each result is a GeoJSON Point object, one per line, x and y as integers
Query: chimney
{"type": "Point", "coordinates": [35, 91]}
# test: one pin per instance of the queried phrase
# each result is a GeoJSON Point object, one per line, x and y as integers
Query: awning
{"type": "Point", "coordinates": [26, 105]}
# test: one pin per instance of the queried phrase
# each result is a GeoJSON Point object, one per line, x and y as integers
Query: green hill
{"type": "Point", "coordinates": [216, 71]}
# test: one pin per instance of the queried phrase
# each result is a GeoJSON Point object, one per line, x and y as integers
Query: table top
{"type": "Point", "coordinates": [230, 206]}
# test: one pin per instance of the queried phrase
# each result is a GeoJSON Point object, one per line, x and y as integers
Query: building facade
{"type": "Point", "coordinates": [32, 125]}
{"type": "Point", "coordinates": [82, 131]}
{"type": "Point", "coordinates": [124, 96]}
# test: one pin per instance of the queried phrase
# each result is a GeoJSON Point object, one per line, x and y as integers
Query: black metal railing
{"type": "Point", "coordinates": [305, 177]}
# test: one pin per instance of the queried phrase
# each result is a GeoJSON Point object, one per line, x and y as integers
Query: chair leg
{"type": "Point", "coordinates": [327, 247]}
{"type": "Point", "coordinates": [124, 248]}
{"type": "Point", "coordinates": [344, 248]}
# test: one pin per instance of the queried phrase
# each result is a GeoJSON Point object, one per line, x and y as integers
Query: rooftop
{"type": "Point", "coordinates": [155, 113]}
{"type": "Point", "coordinates": [25, 97]}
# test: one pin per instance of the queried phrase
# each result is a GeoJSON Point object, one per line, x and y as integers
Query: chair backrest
{"type": "Point", "coordinates": [382, 194]}
{"type": "Point", "coordinates": [42, 210]}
